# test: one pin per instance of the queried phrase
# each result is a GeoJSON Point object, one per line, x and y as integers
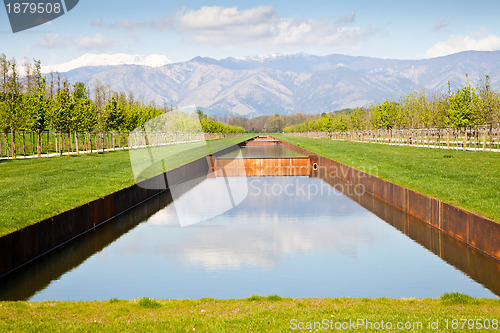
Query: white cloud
{"type": "Point", "coordinates": [128, 25]}
{"type": "Point", "coordinates": [347, 19]}
{"type": "Point", "coordinates": [97, 22]}
{"type": "Point", "coordinates": [459, 43]}
{"type": "Point", "coordinates": [440, 25]}
{"type": "Point", "coordinates": [96, 42]}
{"type": "Point", "coordinates": [221, 17]}
{"type": "Point", "coordinates": [231, 26]}
{"type": "Point", "coordinates": [52, 41]}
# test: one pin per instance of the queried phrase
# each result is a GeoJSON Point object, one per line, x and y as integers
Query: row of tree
{"type": "Point", "coordinates": [267, 124]}
{"type": "Point", "coordinates": [30, 104]}
{"type": "Point", "coordinates": [466, 107]}
{"type": "Point", "coordinates": [210, 125]}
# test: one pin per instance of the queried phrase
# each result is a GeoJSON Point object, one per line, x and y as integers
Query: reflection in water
{"type": "Point", "coordinates": [193, 207]}
{"type": "Point", "coordinates": [293, 243]}
{"type": "Point", "coordinates": [26, 281]}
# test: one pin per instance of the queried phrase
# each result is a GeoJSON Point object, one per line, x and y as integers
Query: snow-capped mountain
{"type": "Point", "coordinates": [91, 60]}
{"type": "Point", "coordinates": [288, 83]}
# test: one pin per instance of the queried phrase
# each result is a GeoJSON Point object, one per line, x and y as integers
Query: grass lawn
{"type": "Point", "coordinates": [253, 314]}
{"type": "Point", "coordinates": [35, 189]}
{"type": "Point", "coordinates": [467, 179]}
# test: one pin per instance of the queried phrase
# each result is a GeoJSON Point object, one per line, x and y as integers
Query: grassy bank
{"type": "Point", "coordinates": [35, 189]}
{"type": "Point", "coordinates": [467, 179]}
{"type": "Point", "coordinates": [254, 314]}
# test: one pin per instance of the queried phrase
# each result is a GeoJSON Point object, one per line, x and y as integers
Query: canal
{"type": "Point", "coordinates": [223, 235]}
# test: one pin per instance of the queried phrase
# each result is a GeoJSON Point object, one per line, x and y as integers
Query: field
{"type": "Point", "coordinates": [467, 179]}
{"type": "Point", "coordinates": [254, 314]}
{"type": "Point", "coordinates": [35, 189]}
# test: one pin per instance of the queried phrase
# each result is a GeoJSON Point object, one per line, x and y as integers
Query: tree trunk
{"type": "Point", "coordinates": [56, 142]}
{"type": "Point", "coordinates": [13, 141]}
{"type": "Point", "coordinates": [70, 143]}
{"type": "Point", "coordinates": [465, 139]}
{"type": "Point", "coordinates": [7, 146]}
{"type": "Point", "coordinates": [38, 143]}
{"type": "Point", "coordinates": [24, 144]}
{"type": "Point", "coordinates": [32, 145]}
{"type": "Point", "coordinates": [60, 144]}
{"type": "Point", "coordinates": [90, 142]}
{"type": "Point", "coordinates": [76, 143]}
{"type": "Point", "coordinates": [48, 142]}
{"type": "Point", "coordinates": [69, 140]}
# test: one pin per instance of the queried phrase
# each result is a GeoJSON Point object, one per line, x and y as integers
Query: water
{"type": "Point", "coordinates": [292, 236]}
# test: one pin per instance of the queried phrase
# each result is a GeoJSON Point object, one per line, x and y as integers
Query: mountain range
{"type": "Point", "coordinates": [92, 60]}
{"type": "Point", "coordinates": [283, 83]}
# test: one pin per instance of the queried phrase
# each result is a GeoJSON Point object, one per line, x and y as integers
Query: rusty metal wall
{"type": "Point", "coordinates": [476, 231]}
{"type": "Point", "coordinates": [24, 245]}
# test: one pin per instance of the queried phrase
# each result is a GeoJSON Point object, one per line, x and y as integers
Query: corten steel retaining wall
{"type": "Point", "coordinates": [252, 167]}
{"type": "Point", "coordinates": [262, 140]}
{"type": "Point", "coordinates": [478, 232]}
{"type": "Point", "coordinates": [29, 243]}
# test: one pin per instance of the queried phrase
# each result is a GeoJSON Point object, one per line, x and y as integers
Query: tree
{"type": "Point", "coordinates": [274, 124]}
{"type": "Point", "coordinates": [41, 103]}
{"type": "Point", "coordinates": [29, 77]}
{"type": "Point", "coordinates": [339, 122]}
{"type": "Point", "coordinates": [115, 118]}
{"type": "Point", "coordinates": [385, 115]}
{"type": "Point", "coordinates": [4, 73]}
{"type": "Point", "coordinates": [59, 117]}
{"type": "Point", "coordinates": [101, 95]}
{"type": "Point", "coordinates": [14, 98]}
{"type": "Point", "coordinates": [4, 116]}
{"type": "Point", "coordinates": [324, 123]}
{"type": "Point", "coordinates": [463, 111]}
{"type": "Point", "coordinates": [356, 119]}
{"type": "Point", "coordinates": [83, 117]}
{"type": "Point", "coordinates": [488, 103]}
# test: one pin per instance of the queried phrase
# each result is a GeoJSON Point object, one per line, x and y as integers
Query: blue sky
{"type": "Point", "coordinates": [182, 30]}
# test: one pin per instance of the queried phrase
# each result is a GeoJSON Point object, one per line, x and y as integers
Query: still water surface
{"type": "Point", "coordinates": [295, 244]}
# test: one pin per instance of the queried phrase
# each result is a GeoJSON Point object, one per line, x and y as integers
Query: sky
{"type": "Point", "coordinates": [182, 30]}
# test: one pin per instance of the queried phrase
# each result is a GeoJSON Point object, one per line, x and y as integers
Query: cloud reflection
{"type": "Point", "coordinates": [263, 230]}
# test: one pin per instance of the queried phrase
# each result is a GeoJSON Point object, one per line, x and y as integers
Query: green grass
{"type": "Point", "coordinates": [149, 303]}
{"type": "Point", "coordinates": [262, 315]}
{"type": "Point", "coordinates": [457, 298]}
{"type": "Point", "coordinates": [467, 179]}
{"type": "Point", "coordinates": [35, 189]}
